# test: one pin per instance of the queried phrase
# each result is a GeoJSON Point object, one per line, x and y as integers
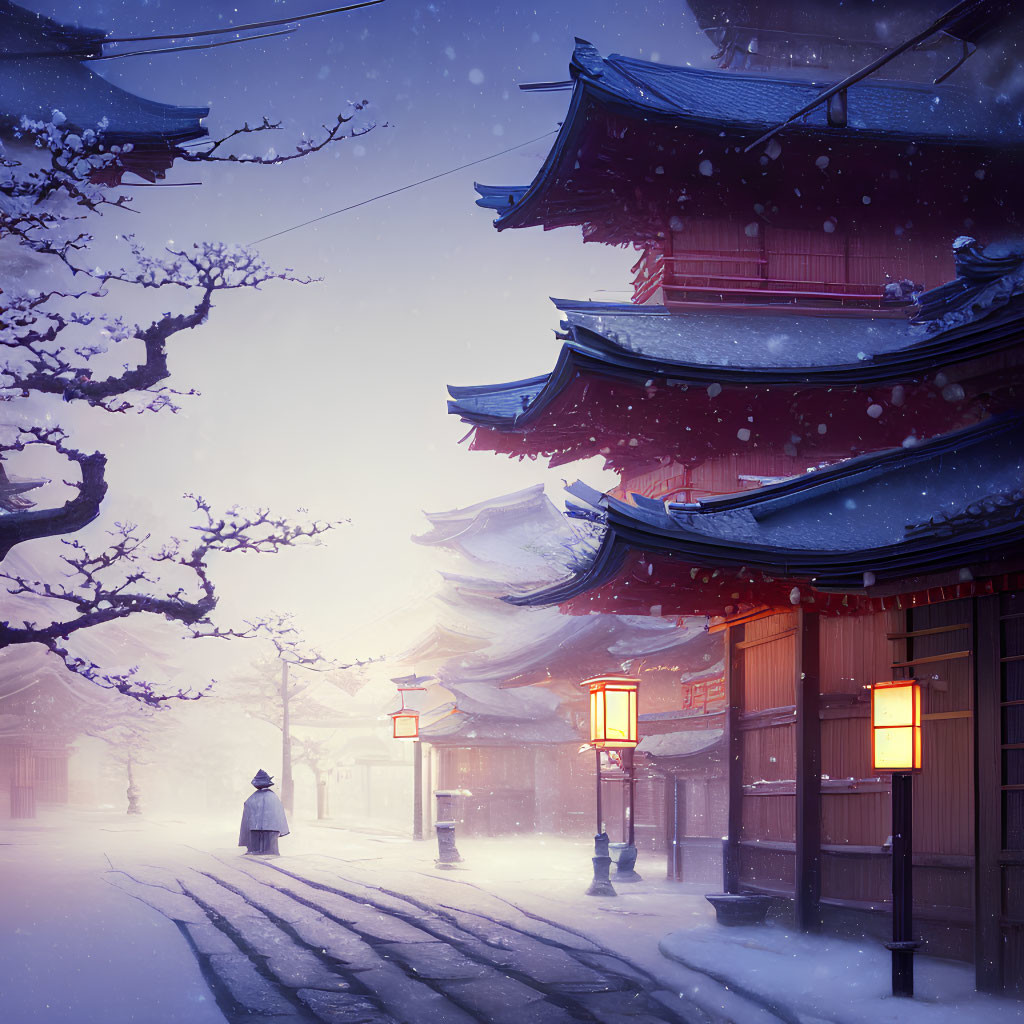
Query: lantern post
{"type": "Point", "coordinates": [896, 750]}
{"type": "Point", "coordinates": [613, 726]}
{"type": "Point", "coordinates": [405, 725]}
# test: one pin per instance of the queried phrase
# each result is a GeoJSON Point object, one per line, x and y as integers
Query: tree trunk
{"type": "Point", "coordinates": [132, 791]}
{"type": "Point", "coordinates": [287, 784]}
{"type": "Point", "coordinates": [322, 810]}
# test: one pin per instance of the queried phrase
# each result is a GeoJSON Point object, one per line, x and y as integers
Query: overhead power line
{"type": "Point", "coordinates": [243, 28]}
{"type": "Point", "coordinates": [403, 188]}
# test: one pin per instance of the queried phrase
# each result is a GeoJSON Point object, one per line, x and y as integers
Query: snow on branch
{"type": "Point", "coordinates": [212, 151]}
{"type": "Point", "coordinates": [43, 363]}
{"type": "Point", "coordinates": [292, 647]}
{"type": "Point", "coordinates": [75, 513]}
{"type": "Point", "coordinates": [127, 577]}
{"type": "Point", "coordinates": [62, 328]}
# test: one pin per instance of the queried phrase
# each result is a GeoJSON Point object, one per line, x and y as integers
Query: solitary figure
{"type": "Point", "coordinates": [263, 819]}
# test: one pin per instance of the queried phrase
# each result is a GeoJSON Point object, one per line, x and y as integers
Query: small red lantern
{"type": "Point", "coordinates": [405, 724]}
{"type": "Point", "coordinates": [896, 726]}
{"type": "Point", "coordinates": [613, 712]}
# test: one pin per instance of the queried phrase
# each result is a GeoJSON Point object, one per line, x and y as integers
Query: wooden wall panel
{"type": "Point", "coordinates": [769, 754]}
{"type": "Point", "coordinates": [936, 888]}
{"type": "Point", "coordinates": [769, 818]}
{"type": "Point", "coordinates": [768, 674]}
{"type": "Point", "coordinates": [722, 475]}
{"type": "Point", "coordinates": [944, 791]}
{"type": "Point", "coordinates": [857, 819]}
{"type": "Point", "coordinates": [762, 868]}
{"type": "Point", "coordinates": [706, 807]}
{"type": "Point", "coordinates": [846, 748]}
{"type": "Point", "coordinates": [758, 629]}
{"type": "Point", "coordinates": [855, 652]}
{"type": "Point", "coordinates": [1013, 960]}
{"type": "Point", "coordinates": [877, 255]}
{"type": "Point", "coordinates": [651, 823]}
{"type": "Point", "coordinates": [856, 878]}
{"type": "Point", "coordinates": [1013, 892]}
{"type": "Point", "coordinates": [795, 254]}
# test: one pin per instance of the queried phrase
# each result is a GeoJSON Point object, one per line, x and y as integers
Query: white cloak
{"type": "Point", "coordinates": [263, 812]}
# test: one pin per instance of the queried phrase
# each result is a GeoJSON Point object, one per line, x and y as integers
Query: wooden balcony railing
{"type": "Point", "coordinates": [730, 280]}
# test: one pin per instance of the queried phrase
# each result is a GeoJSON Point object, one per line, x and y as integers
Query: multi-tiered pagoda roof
{"type": "Point", "coordinates": [503, 672]}
{"type": "Point", "coordinates": [643, 141]}
{"type": "Point", "coordinates": [638, 383]}
{"type": "Point", "coordinates": [939, 520]}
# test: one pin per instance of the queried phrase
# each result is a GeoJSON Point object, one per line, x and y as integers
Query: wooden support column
{"type": "Point", "coordinates": [675, 826]}
{"type": "Point", "coordinates": [988, 873]}
{"type": "Point", "coordinates": [807, 875]}
{"type": "Point", "coordinates": [734, 745]}
{"type": "Point", "coordinates": [417, 789]}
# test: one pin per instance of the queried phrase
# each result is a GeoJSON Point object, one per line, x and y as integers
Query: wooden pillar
{"type": "Point", "coordinates": [417, 789]}
{"type": "Point", "coordinates": [988, 872]}
{"type": "Point", "coordinates": [807, 875]}
{"type": "Point", "coordinates": [734, 746]}
{"type": "Point", "coordinates": [287, 782]}
{"type": "Point", "coordinates": [675, 825]}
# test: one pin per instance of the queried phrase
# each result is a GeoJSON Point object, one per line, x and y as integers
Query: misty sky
{"type": "Point", "coordinates": [332, 397]}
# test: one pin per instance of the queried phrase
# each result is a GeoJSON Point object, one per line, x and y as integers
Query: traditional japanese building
{"type": "Point", "coordinates": [506, 714]}
{"type": "Point", "coordinates": [816, 434]}
{"type": "Point", "coordinates": [46, 71]}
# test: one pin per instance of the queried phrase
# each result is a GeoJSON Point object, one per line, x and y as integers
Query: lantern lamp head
{"type": "Point", "coordinates": [613, 711]}
{"type": "Point", "coordinates": [405, 724]}
{"type": "Point", "coordinates": [896, 726]}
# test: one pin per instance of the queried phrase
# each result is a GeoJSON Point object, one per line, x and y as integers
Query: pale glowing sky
{"type": "Point", "coordinates": [332, 397]}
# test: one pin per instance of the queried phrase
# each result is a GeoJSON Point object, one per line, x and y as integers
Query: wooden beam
{"type": "Point", "coordinates": [807, 870]}
{"type": "Point", "coordinates": [951, 656]}
{"type": "Point", "coordinates": [781, 635]}
{"type": "Point", "coordinates": [988, 874]}
{"type": "Point", "coordinates": [928, 632]}
{"type": "Point", "coordinates": [734, 744]}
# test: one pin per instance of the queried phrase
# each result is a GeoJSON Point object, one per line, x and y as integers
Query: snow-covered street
{"type": "Point", "coordinates": [128, 917]}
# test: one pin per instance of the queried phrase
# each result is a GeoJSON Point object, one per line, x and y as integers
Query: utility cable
{"type": "Point", "coordinates": [403, 188]}
{"type": "Point", "coordinates": [242, 28]}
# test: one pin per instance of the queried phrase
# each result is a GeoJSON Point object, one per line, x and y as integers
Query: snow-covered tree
{"type": "Point", "coordinates": [290, 686]}
{"type": "Point", "coordinates": [63, 334]}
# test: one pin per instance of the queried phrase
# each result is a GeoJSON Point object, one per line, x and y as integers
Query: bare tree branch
{"type": "Point", "coordinates": [122, 580]}
{"type": "Point", "coordinates": [211, 151]}
{"type": "Point", "coordinates": [28, 524]}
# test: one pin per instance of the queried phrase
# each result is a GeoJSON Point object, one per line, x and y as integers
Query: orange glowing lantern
{"type": "Point", "coordinates": [405, 724]}
{"type": "Point", "coordinates": [613, 711]}
{"type": "Point", "coordinates": [896, 726]}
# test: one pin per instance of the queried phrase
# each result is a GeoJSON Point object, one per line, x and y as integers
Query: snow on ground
{"type": "Point", "coordinates": [75, 950]}
{"type": "Point", "coordinates": [78, 950]}
{"type": "Point", "coordinates": [670, 930]}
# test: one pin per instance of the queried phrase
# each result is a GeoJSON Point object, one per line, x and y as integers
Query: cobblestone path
{"type": "Point", "coordinates": [322, 940]}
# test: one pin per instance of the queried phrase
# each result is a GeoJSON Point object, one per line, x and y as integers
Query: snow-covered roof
{"type": "Point", "coordinates": [34, 85]}
{"type": "Point", "coordinates": [682, 743]}
{"type": "Point", "coordinates": [949, 504]}
{"type": "Point", "coordinates": [483, 730]}
{"type": "Point", "coordinates": [623, 108]}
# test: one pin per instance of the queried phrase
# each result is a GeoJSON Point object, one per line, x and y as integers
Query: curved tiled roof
{"type": "Point", "coordinates": [698, 354]}
{"type": "Point", "coordinates": [878, 518]}
{"type": "Point", "coordinates": [35, 86]}
{"type": "Point", "coordinates": [574, 184]}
